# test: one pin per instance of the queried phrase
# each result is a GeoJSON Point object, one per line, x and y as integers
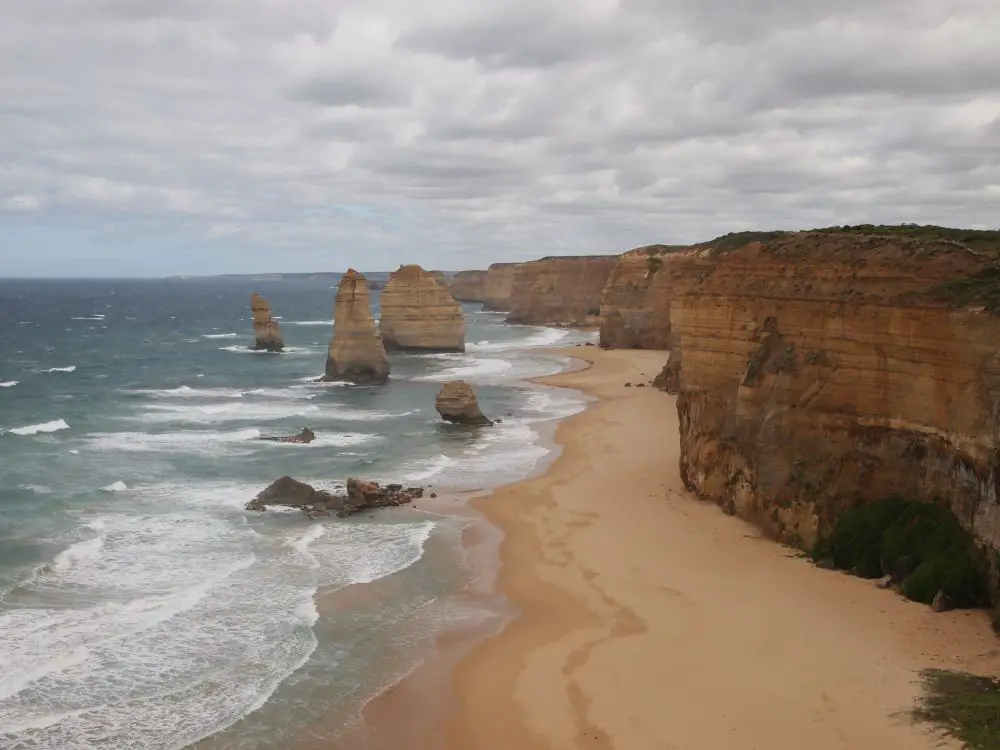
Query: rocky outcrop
{"type": "Point", "coordinates": [823, 369]}
{"type": "Point", "coordinates": [266, 331]}
{"type": "Point", "coordinates": [305, 436]}
{"type": "Point", "coordinates": [560, 290]}
{"type": "Point", "coordinates": [361, 495]}
{"type": "Point", "coordinates": [468, 286]}
{"type": "Point", "coordinates": [669, 378]}
{"type": "Point", "coordinates": [456, 402]}
{"type": "Point", "coordinates": [356, 352]}
{"type": "Point", "coordinates": [419, 314]}
{"type": "Point", "coordinates": [440, 277]}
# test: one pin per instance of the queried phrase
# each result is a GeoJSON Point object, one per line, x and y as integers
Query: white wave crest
{"type": "Point", "coordinates": [34, 429]}
{"type": "Point", "coordinates": [8, 383]}
{"type": "Point", "coordinates": [86, 550]}
{"type": "Point", "coordinates": [247, 350]}
{"type": "Point", "coordinates": [220, 335]}
{"type": "Point", "coordinates": [190, 441]}
{"type": "Point", "coordinates": [540, 338]}
{"type": "Point", "coordinates": [69, 368]}
{"type": "Point", "coordinates": [308, 323]}
{"type": "Point", "coordinates": [431, 469]}
{"type": "Point", "coordinates": [118, 486]}
{"type": "Point", "coordinates": [474, 368]}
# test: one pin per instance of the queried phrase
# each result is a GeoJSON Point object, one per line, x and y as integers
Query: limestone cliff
{"type": "Point", "coordinates": [498, 286]}
{"type": "Point", "coordinates": [266, 331]}
{"type": "Point", "coordinates": [560, 290]}
{"type": "Point", "coordinates": [440, 277]}
{"type": "Point", "coordinates": [456, 402]}
{"type": "Point", "coordinates": [822, 369]}
{"type": "Point", "coordinates": [356, 352]}
{"type": "Point", "coordinates": [635, 301]}
{"type": "Point", "coordinates": [418, 313]}
{"type": "Point", "coordinates": [468, 286]}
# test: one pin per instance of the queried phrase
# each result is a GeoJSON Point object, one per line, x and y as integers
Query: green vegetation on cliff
{"type": "Point", "coordinates": [921, 545]}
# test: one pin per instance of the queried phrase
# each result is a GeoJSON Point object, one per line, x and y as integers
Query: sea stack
{"type": "Point", "coordinates": [419, 313]}
{"type": "Point", "coordinates": [356, 352]}
{"type": "Point", "coordinates": [266, 332]}
{"type": "Point", "coordinates": [456, 402]}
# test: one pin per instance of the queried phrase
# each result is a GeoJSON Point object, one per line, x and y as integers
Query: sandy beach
{"type": "Point", "coordinates": [653, 620]}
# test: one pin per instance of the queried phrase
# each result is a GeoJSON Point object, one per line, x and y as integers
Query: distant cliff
{"type": "Point", "coordinates": [821, 369]}
{"type": "Point", "coordinates": [468, 286]}
{"type": "Point", "coordinates": [419, 313]}
{"type": "Point", "coordinates": [492, 287]}
{"type": "Point", "coordinates": [635, 301]}
{"type": "Point", "coordinates": [560, 290]}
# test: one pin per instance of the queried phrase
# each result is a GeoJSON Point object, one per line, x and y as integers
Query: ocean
{"type": "Point", "coordinates": [140, 605]}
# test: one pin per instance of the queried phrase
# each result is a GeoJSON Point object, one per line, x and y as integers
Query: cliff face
{"type": "Point", "coordinates": [498, 286]}
{"type": "Point", "coordinates": [822, 369]}
{"type": "Point", "coordinates": [266, 331]}
{"type": "Point", "coordinates": [468, 286]}
{"type": "Point", "coordinates": [419, 313]}
{"type": "Point", "coordinates": [560, 290]}
{"type": "Point", "coordinates": [356, 352]}
{"type": "Point", "coordinates": [635, 301]}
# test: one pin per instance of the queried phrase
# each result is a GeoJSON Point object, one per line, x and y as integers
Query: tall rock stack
{"type": "Point", "coordinates": [356, 352]}
{"type": "Point", "coordinates": [266, 331]}
{"type": "Point", "coordinates": [419, 313]}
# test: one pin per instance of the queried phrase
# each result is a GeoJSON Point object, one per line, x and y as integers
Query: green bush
{"type": "Point", "coordinates": [921, 544]}
{"type": "Point", "coordinates": [960, 577]}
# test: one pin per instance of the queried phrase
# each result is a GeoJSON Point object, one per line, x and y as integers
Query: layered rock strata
{"type": "Point", "coordinates": [635, 301]}
{"type": "Point", "coordinates": [560, 290]}
{"type": "Point", "coordinates": [498, 286]}
{"type": "Point", "coordinates": [266, 331]}
{"type": "Point", "coordinates": [819, 370]}
{"type": "Point", "coordinates": [356, 352]}
{"type": "Point", "coordinates": [419, 314]}
{"type": "Point", "coordinates": [456, 402]}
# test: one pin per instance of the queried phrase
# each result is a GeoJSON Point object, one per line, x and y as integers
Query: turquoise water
{"type": "Point", "coordinates": [140, 605]}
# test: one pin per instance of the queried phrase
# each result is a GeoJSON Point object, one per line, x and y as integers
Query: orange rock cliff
{"type": "Point", "coordinates": [356, 352]}
{"type": "Point", "coordinates": [822, 369]}
{"type": "Point", "coordinates": [492, 287]}
{"type": "Point", "coordinates": [563, 290]}
{"type": "Point", "coordinates": [419, 313]}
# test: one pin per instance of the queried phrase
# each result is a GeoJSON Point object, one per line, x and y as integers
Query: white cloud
{"type": "Point", "coordinates": [458, 133]}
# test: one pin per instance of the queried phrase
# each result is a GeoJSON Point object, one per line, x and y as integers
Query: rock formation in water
{"type": "Point", "coordinates": [361, 495]}
{"type": "Point", "coordinates": [823, 369]}
{"type": "Point", "coordinates": [440, 277]}
{"type": "Point", "coordinates": [560, 290]}
{"type": "Point", "coordinates": [266, 331]}
{"type": "Point", "coordinates": [456, 402]}
{"type": "Point", "coordinates": [305, 436]}
{"type": "Point", "coordinates": [419, 314]}
{"type": "Point", "coordinates": [356, 352]}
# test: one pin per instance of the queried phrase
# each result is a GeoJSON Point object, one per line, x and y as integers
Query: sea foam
{"type": "Point", "coordinates": [34, 429]}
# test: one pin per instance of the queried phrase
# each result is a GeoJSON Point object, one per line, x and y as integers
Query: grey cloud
{"type": "Point", "coordinates": [495, 130]}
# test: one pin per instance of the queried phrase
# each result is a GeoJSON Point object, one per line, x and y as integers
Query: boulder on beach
{"type": "Point", "coordinates": [361, 495]}
{"type": "Point", "coordinates": [305, 436]}
{"type": "Point", "coordinates": [266, 331]}
{"type": "Point", "coordinates": [356, 352]}
{"type": "Point", "coordinates": [456, 402]}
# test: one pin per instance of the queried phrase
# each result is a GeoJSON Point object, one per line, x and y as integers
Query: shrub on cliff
{"type": "Point", "coordinates": [921, 544]}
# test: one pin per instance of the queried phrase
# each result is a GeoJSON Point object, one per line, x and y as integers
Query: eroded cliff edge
{"type": "Point", "coordinates": [492, 287]}
{"type": "Point", "coordinates": [821, 369]}
{"type": "Point", "coordinates": [562, 290]}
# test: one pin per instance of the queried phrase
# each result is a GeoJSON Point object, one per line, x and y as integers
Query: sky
{"type": "Point", "coordinates": [157, 137]}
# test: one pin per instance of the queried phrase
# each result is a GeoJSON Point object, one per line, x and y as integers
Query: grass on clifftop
{"type": "Point", "coordinates": [981, 289]}
{"type": "Point", "coordinates": [963, 706]}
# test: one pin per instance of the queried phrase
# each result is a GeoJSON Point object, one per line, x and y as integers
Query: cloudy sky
{"type": "Point", "coordinates": [151, 137]}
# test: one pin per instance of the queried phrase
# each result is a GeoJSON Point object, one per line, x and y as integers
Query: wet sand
{"type": "Point", "coordinates": [653, 620]}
